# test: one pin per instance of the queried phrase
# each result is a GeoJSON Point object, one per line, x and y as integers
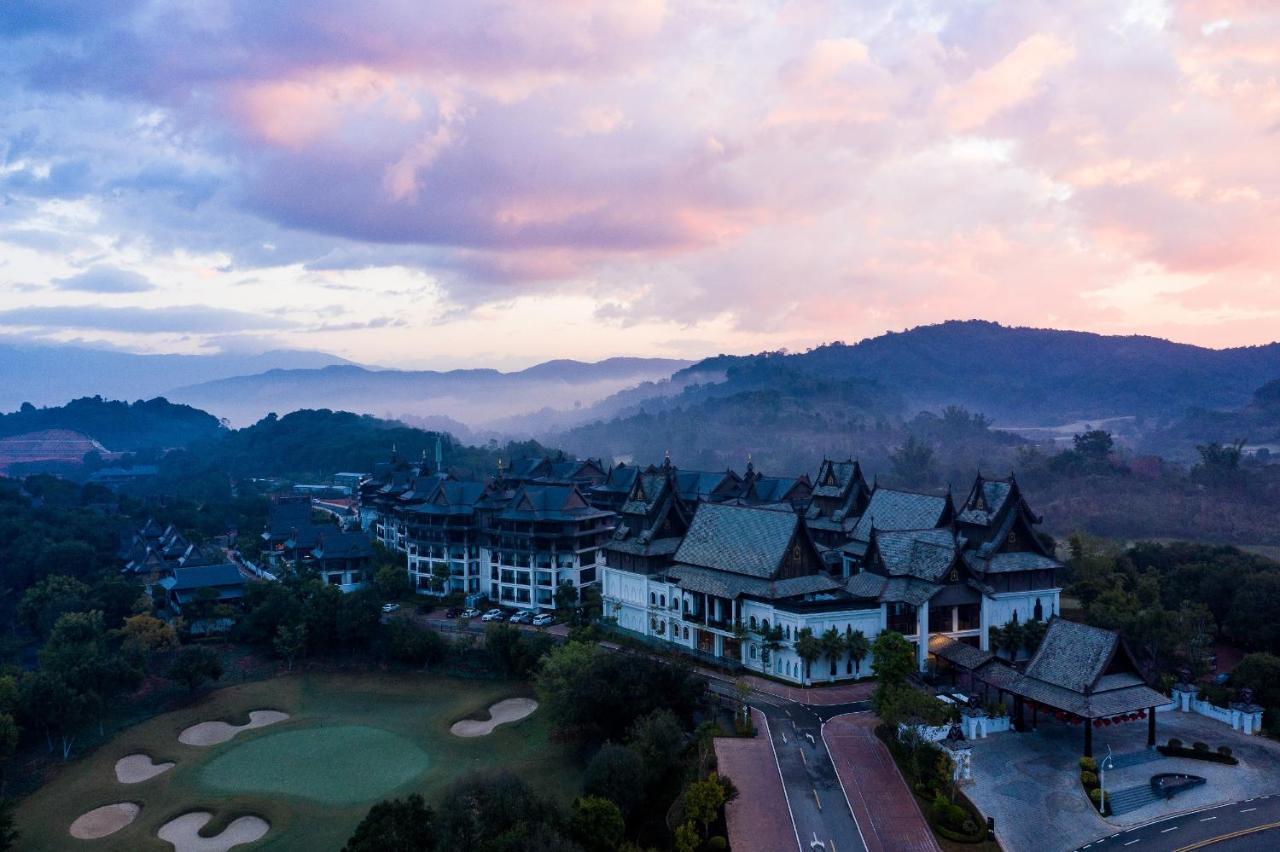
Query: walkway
{"type": "Point", "coordinates": [753, 817]}
{"type": "Point", "coordinates": [879, 797]}
{"type": "Point", "coordinates": [813, 696]}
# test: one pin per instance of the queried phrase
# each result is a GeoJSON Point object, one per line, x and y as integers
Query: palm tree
{"type": "Point", "coordinates": [832, 647]}
{"type": "Point", "coordinates": [808, 648]}
{"type": "Point", "coordinates": [770, 642]}
{"type": "Point", "coordinates": [857, 646]}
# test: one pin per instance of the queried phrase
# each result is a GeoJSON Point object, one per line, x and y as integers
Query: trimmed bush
{"type": "Point", "coordinates": [717, 844]}
{"type": "Point", "coordinates": [1174, 742]}
{"type": "Point", "coordinates": [1088, 764]}
{"type": "Point", "coordinates": [1089, 779]}
{"type": "Point", "coordinates": [1224, 751]}
{"type": "Point", "coordinates": [1199, 746]}
{"type": "Point", "coordinates": [1095, 796]}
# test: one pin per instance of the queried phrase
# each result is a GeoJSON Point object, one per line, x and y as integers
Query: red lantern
{"type": "Point", "coordinates": [1097, 723]}
{"type": "Point", "coordinates": [1106, 722]}
{"type": "Point", "coordinates": [1142, 714]}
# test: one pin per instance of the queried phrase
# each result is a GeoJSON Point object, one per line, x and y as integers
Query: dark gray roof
{"type": "Point", "coordinates": [866, 585]}
{"type": "Point", "coordinates": [1002, 563]}
{"type": "Point", "coordinates": [908, 590]}
{"type": "Point", "coordinates": [957, 652]}
{"type": "Point", "coordinates": [343, 545]}
{"type": "Point", "coordinates": [726, 585]}
{"type": "Point", "coordinates": [740, 539]}
{"type": "Point", "coordinates": [926, 554]}
{"type": "Point", "coordinates": [1072, 655]}
{"type": "Point", "coordinates": [986, 500]}
{"type": "Point", "coordinates": [899, 510]}
{"type": "Point", "coordinates": [205, 576]}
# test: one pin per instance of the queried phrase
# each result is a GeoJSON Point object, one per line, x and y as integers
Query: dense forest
{"type": "Point", "coordinates": [118, 426]}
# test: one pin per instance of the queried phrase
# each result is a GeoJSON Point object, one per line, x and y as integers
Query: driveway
{"type": "Point", "coordinates": [1030, 782]}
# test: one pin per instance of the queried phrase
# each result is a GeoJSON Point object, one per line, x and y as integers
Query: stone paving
{"type": "Point", "coordinates": [1030, 782]}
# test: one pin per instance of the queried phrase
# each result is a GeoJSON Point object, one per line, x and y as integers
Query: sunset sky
{"type": "Point", "coordinates": [465, 182]}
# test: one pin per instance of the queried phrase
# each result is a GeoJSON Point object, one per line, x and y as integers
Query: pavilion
{"type": "Point", "coordinates": [1082, 675]}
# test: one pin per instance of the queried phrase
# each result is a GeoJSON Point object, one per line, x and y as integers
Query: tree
{"type": "Point", "coordinates": [8, 833]}
{"type": "Point", "coordinates": [770, 644]}
{"type": "Point", "coordinates": [1219, 463]}
{"type": "Point", "coordinates": [146, 634]}
{"type": "Point", "coordinates": [1033, 634]}
{"type": "Point", "coordinates": [687, 839]}
{"type": "Point", "coordinates": [1094, 446]}
{"type": "Point", "coordinates": [659, 742]}
{"type": "Point", "coordinates": [395, 825]}
{"type": "Point", "coordinates": [78, 652]}
{"type": "Point", "coordinates": [857, 647]}
{"type": "Point", "coordinates": [499, 813]}
{"type": "Point", "coordinates": [703, 800]}
{"type": "Point", "coordinates": [8, 745]}
{"type": "Point", "coordinates": [392, 582]}
{"type": "Point", "coordinates": [1261, 673]}
{"type": "Point", "coordinates": [618, 774]}
{"type": "Point", "coordinates": [290, 641]}
{"type": "Point", "coordinates": [913, 462]}
{"type": "Point", "coordinates": [48, 599]}
{"type": "Point", "coordinates": [597, 824]}
{"type": "Point", "coordinates": [1193, 630]}
{"type": "Point", "coordinates": [1252, 619]}
{"type": "Point", "coordinates": [893, 658]}
{"type": "Point", "coordinates": [808, 648]}
{"type": "Point", "coordinates": [50, 704]}
{"type": "Point", "coordinates": [905, 705]}
{"type": "Point", "coordinates": [194, 666]}
{"type": "Point", "coordinates": [832, 647]}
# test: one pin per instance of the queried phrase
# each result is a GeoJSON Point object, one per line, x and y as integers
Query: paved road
{"type": "Point", "coordinates": [819, 810]}
{"type": "Point", "coordinates": [1225, 828]}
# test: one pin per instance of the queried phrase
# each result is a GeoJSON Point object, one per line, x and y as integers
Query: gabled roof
{"type": "Point", "coordinates": [986, 500]}
{"type": "Point", "coordinates": [619, 479]}
{"type": "Point", "coordinates": [738, 539]}
{"type": "Point", "coordinates": [1072, 655]}
{"type": "Point", "coordinates": [550, 503]}
{"type": "Point", "coordinates": [926, 554]}
{"type": "Point", "coordinates": [697, 485]}
{"type": "Point", "coordinates": [343, 545]}
{"type": "Point", "coordinates": [902, 510]}
{"type": "Point", "coordinates": [778, 489]}
{"type": "Point", "coordinates": [203, 577]}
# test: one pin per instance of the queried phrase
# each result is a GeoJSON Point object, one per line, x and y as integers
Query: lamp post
{"type": "Point", "coordinates": [1102, 781]}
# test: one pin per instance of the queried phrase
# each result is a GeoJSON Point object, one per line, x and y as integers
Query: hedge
{"type": "Point", "coordinates": [1197, 754]}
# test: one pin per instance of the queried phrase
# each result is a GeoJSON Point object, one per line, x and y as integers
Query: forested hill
{"type": "Point", "coordinates": [1024, 376]}
{"type": "Point", "coordinates": [118, 426]}
{"type": "Point", "coordinates": [315, 444]}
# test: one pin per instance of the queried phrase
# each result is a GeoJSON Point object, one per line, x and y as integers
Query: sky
{"type": "Point", "coordinates": [467, 182]}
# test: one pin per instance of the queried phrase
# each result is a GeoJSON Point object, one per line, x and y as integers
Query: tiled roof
{"type": "Point", "coordinates": [986, 500]}
{"type": "Point", "coordinates": [952, 650]}
{"type": "Point", "coordinates": [908, 590]}
{"type": "Point", "coordinates": [550, 503]}
{"type": "Point", "coordinates": [343, 545]}
{"type": "Point", "coordinates": [741, 539]}
{"type": "Point", "coordinates": [1072, 655]}
{"type": "Point", "coordinates": [926, 554]}
{"type": "Point", "coordinates": [205, 576]}
{"type": "Point", "coordinates": [866, 585]}
{"type": "Point", "coordinates": [1019, 561]}
{"type": "Point", "coordinates": [899, 510]}
{"type": "Point", "coordinates": [726, 585]}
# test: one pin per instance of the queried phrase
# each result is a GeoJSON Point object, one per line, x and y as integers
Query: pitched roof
{"type": "Point", "coordinates": [550, 503]}
{"type": "Point", "coordinates": [205, 576]}
{"type": "Point", "coordinates": [739, 539]}
{"type": "Point", "coordinates": [343, 545]}
{"type": "Point", "coordinates": [926, 554]}
{"type": "Point", "coordinates": [986, 500]}
{"type": "Point", "coordinates": [1072, 655]}
{"type": "Point", "coordinates": [900, 510]}
{"type": "Point", "coordinates": [955, 651]}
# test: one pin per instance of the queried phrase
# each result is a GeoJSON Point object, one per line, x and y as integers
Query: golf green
{"type": "Point", "coordinates": [337, 765]}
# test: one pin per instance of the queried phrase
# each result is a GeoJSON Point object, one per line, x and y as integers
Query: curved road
{"type": "Point", "coordinates": [1252, 825]}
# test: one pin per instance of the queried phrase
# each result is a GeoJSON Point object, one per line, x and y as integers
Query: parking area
{"type": "Point", "coordinates": [1030, 782]}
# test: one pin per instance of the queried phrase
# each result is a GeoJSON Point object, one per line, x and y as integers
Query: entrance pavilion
{"type": "Point", "coordinates": [1081, 675]}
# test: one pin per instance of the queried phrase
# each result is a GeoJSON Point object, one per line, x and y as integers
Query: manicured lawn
{"type": "Point", "coordinates": [350, 741]}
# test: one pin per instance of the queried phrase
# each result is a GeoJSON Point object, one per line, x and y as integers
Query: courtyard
{"type": "Point", "coordinates": [300, 773]}
{"type": "Point", "coordinates": [1030, 782]}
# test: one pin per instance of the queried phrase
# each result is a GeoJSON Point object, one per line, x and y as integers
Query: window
{"type": "Point", "coordinates": [765, 625]}
{"type": "Point", "coordinates": [752, 651]}
{"type": "Point", "coordinates": [753, 625]}
{"type": "Point", "coordinates": [1039, 611]}
{"type": "Point", "coordinates": [653, 599]}
{"type": "Point", "coordinates": [786, 631]}
{"type": "Point", "coordinates": [686, 631]}
{"type": "Point", "coordinates": [955, 575]}
{"type": "Point", "coordinates": [662, 600]}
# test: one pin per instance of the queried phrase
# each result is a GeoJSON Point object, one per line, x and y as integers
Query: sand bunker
{"type": "Point", "coordinates": [105, 820]}
{"type": "Point", "coordinates": [136, 768]}
{"type": "Point", "coordinates": [183, 832]}
{"type": "Point", "coordinates": [508, 710]}
{"type": "Point", "coordinates": [212, 733]}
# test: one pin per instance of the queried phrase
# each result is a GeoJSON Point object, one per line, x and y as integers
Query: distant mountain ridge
{"type": "Point", "coordinates": [473, 396]}
{"type": "Point", "coordinates": [49, 374]}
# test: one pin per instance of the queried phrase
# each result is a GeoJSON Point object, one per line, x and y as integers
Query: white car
{"type": "Point", "coordinates": [492, 615]}
{"type": "Point", "coordinates": [390, 607]}
{"type": "Point", "coordinates": [470, 613]}
{"type": "Point", "coordinates": [542, 619]}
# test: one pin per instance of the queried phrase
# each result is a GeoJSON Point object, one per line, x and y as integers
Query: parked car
{"type": "Point", "coordinates": [492, 615]}
{"type": "Point", "coordinates": [542, 619]}
{"type": "Point", "coordinates": [524, 617]}
{"type": "Point", "coordinates": [390, 607]}
{"type": "Point", "coordinates": [452, 612]}
{"type": "Point", "coordinates": [469, 612]}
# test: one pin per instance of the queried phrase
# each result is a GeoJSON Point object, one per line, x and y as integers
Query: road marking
{"type": "Point", "coordinates": [1131, 842]}
{"type": "Point", "coordinates": [1220, 838]}
{"type": "Point", "coordinates": [783, 734]}
{"type": "Point", "coordinates": [782, 781]}
{"type": "Point", "coordinates": [1167, 830]}
{"type": "Point", "coordinates": [803, 759]}
{"type": "Point", "coordinates": [1206, 819]}
{"type": "Point", "coordinates": [832, 844]}
{"type": "Point", "coordinates": [1246, 810]}
{"type": "Point", "coordinates": [816, 798]}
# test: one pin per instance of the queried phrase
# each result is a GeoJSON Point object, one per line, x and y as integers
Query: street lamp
{"type": "Point", "coordinates": [1106, 764]}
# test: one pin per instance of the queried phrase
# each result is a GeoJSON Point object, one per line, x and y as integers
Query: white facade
{"type": "Point", "coordinates": [655, 609]}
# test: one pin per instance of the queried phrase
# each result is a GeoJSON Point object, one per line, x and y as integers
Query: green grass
{"type": "Point", "coordinates": [351, 740]}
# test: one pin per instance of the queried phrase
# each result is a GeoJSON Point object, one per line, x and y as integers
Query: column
{"type": "Point", "coordinates": [922, 635]}
{"type": "Point", "coordinates": [1088, 738]}
{"type": "Point", "coordinates": [984, 641]}
{"type": "Point", "coordinates": [1151, 727]}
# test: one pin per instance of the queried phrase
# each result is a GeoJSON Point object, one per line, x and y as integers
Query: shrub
{"type": "Point", "coordinates": [1089, 779]}
{"type": "Point", "coordinates": [1225, 751]}
{"type": "Point", "coordinates": [717, 844]}
{"type": "Point", "coordinates": [948, 815]}
{"type": "Point", "coordinates": [1199, 746]}
{"type": "Point", "coordinates": [1088, 764]}
{"type": "Point", "coordinates": [969, 827]}
{"type": "Point", "coordinates": [1095, 796]}
{"type": "Point", "coordinates": [1174, 742]}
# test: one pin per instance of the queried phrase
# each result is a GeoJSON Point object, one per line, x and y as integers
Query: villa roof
{"type": "Point", "coordinates": [738, 539]}
{"type": "Point", "coordinates": [957, 652]}
{"type": "Point", "coordinates": [926, 554]}
{"type": "Point", "coordinates": [343, 545]}
{"type": "Point", "coordinates": [901, 510]}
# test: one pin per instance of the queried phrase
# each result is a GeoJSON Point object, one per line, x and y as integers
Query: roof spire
{"type": "Point", "coordinates": [439, 454]}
